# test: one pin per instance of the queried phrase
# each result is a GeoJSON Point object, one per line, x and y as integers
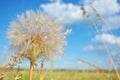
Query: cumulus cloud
{"type": "Point", "coordinates": [107, 38]}
{"type": "Point", "coordinates": [94, 47]}
{"type": "Point", "coordinates": [88, 2]}
{"type": "Point", "coordinates": [116, 53]}
{"type": "Point", "coordinates": [107, 7]}
{"type": "Point", "coordinates": [55, 0]}
{"type": "Point", "coordinates": [112, 42]}
{"type": "Point", "coordinates": [89, 48]}
{"type": "Point", "coordinates": [64, 13]}
{"type": "Point", "coordinates": [113, 23]}
{"type": "Point", "coordinates": [67, 13]}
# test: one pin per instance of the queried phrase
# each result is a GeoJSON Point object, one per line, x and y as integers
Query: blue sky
{"type": "Point", "coordinates": [83, 42]}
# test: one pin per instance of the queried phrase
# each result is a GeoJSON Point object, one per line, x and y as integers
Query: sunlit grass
{"type": "Point", "coordinates": [65, 75]}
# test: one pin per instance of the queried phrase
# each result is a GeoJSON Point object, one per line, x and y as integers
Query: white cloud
{"type": "Point", "coordinates": [64, 13]}
{"type": "Point", "coordinates": [112, 23]}
{"type": "Point", "coordinates": [67, 13]}
{"type": "Point", "coordinates": [55, 0]}
{"type": "Point", "coordinates": [94, 47]}
{"type": "Point", "coordinates": [112, 42]}
{"type": "Point", "coordinates": [116, 53]}
{"type": "Point", "coordinates": [107, 38]}
{"type": "Point", "coordinates": [88, 2]}
{"type": "Point", "coordinates": [89, 48]}
{"type": "Point", "coordinates": [107, 7]}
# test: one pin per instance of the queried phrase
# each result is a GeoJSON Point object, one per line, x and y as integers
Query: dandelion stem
{"type": "Point", "coordinates": [31, 71]}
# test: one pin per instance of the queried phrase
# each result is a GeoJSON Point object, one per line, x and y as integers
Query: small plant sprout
{"type": "Point", "coordinates": [36, 36]}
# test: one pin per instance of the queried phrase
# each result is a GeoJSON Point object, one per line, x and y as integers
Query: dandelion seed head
{"type": "Point", "coordinates": [44, 35]}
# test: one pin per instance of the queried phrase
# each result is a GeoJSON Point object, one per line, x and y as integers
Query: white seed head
{"type": "Point", "coordinates": [44, 35]}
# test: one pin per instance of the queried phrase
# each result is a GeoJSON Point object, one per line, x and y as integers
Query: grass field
{"type": "Point", "coordinates": [61, 75]}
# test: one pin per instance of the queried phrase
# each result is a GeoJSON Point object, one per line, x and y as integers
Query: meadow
{"type": "Point", "coordinates": [38, 36]}
{"type": "Point", "coordinates": [61, 75]}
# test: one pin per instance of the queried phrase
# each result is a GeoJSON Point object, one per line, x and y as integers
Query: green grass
{"type": "Point", "coordinates": [63, 75]}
